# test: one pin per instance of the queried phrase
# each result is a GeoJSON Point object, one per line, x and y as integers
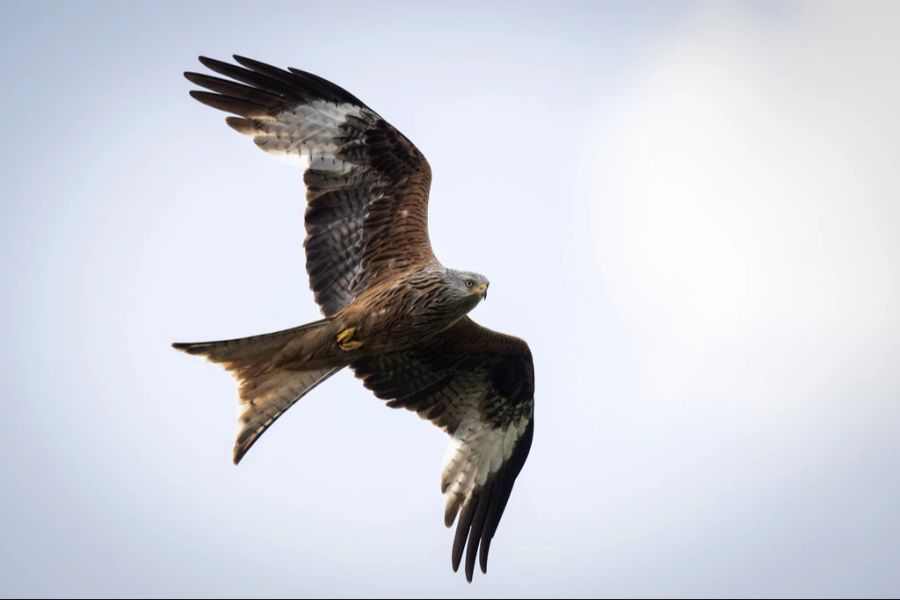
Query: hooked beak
{"type": "Point", "coordinates": [481, 290]}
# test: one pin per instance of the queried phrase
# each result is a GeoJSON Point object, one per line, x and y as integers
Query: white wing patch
{"type": "Point", "coordinates": [302, 136]}
{"type": "Point", "coordinates": [477, 450]}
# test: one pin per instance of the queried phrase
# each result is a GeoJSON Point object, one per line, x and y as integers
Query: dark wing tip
{"type": "Point", "coordinates": [237, 106]}
{"type": "Point", "coordinates": [484, 508]}
{"type": "Point", "coordinates": [277, 85]}
{"type": "Point", "coordinates": [200, 79]}
{"type": "Point", "coordinates": [214, 65]}
{"type": "Point", "coordinates": [210, 63]}
{"type": "Point", "coordinates": [462, 531]}
{"type": "Point", "coordinates": [251, 64]}
{"type": "Point", "coordinates": [483, 502]}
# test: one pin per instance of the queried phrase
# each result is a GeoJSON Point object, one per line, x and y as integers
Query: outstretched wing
{"type": "Point", "coordinates": [367, 184]}
{"type": "Point", "coordinates": [478, 385]}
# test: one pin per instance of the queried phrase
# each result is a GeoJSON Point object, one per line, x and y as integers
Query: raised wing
{"type": "Point", "coordinates": [367, 184]}
{"type": "Point", "coordinates": [478, 385]}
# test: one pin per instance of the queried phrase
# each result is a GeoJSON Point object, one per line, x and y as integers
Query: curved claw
{"type": "Point", "coordinates": [345, 340]}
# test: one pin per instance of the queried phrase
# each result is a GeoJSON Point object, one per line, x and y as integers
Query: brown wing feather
{"type": "Point", "coordinates": [478, 385]}
{"type": "Point", "coordinates": [367, 184]}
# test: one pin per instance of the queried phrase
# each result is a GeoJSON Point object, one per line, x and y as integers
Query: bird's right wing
{"type": "Point", "coordinates": [478, 385]}
{"type": "Point", "coordinates": [367, 184]}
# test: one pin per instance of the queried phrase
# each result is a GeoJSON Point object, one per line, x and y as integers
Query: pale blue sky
{"type": "Point", "coordinates": [689, 210]}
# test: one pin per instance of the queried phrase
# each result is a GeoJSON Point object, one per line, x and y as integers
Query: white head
{"type": "Point", "coordinates": [467, 288]}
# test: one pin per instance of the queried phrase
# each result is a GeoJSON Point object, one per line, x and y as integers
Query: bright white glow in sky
{"type": "Point", "coordinates": [690, 211]}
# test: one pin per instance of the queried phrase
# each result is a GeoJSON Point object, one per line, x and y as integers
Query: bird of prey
{"type": "Point", "coordinates": [393, 313]}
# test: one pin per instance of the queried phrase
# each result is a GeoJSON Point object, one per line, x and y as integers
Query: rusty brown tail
{"type": "Point", "coordinates": [269, 379]}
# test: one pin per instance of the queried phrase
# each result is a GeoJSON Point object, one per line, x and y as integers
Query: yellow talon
{"type": "Point", "coordinates": [345, 340]}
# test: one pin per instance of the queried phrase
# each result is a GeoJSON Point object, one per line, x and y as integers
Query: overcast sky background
{"type": "Point", "coordinates": [689, 210]}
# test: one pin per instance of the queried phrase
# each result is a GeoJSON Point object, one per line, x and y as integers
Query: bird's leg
{"type": "Point", "coordinates": [345, 340]}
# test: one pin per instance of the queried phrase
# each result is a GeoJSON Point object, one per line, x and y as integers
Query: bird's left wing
{"type": "Point", "coordinates": [478, 385]}
{"type": "Point", "coordinates": [366, 183]}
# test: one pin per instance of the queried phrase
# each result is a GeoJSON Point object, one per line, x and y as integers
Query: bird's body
{"type": "Point", "coordinates": [422, 296]}
{"type": "Point", "coordinates": [393, 313]}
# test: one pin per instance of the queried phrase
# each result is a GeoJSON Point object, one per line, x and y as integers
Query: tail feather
{"type": "Point", "coordinates": [271, 395]}
{"type": "Point", "coordinates": [245, 353]}
{"type": "Point", "coordinates": [269, 382]}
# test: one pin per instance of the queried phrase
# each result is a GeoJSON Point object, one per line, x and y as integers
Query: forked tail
{"type": "Point", "coordinates": [271, 374]}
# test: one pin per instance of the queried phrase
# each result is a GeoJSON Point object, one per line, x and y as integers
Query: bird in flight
{"type": "Point", "coordinates": [393, 313]}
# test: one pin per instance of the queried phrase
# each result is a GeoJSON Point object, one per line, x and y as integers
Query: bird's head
{"type": "Point", "coordinates": [469, 288]}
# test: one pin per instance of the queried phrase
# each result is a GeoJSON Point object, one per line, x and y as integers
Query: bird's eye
{"type": "Point", "coordinates": [469, 283]}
